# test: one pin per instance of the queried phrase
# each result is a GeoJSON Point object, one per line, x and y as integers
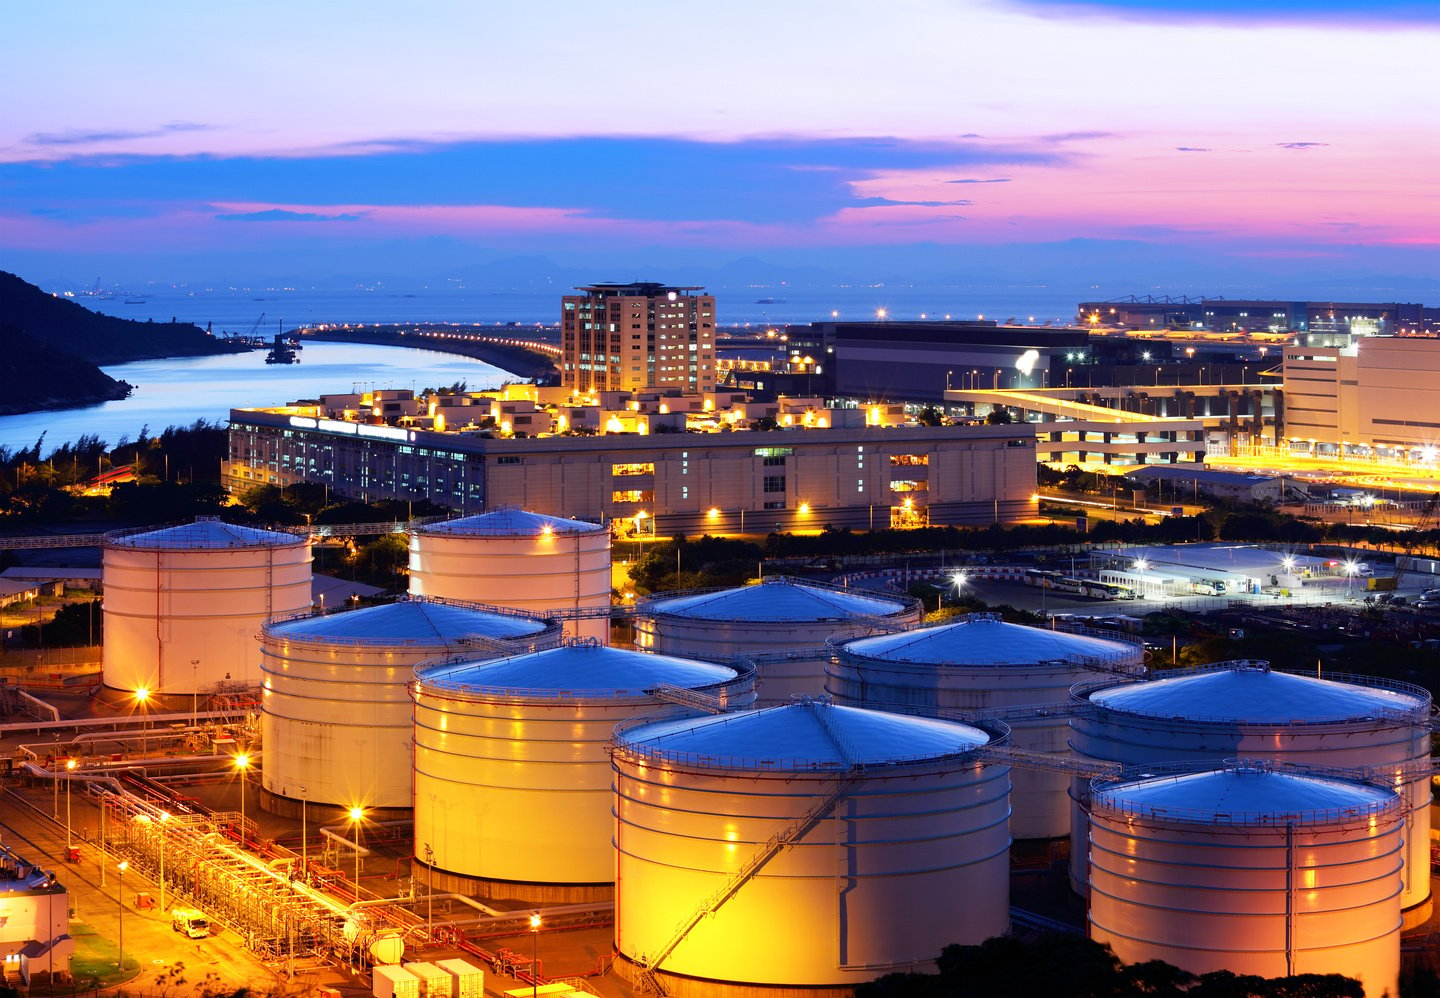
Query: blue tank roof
{"type": "Point", "coordinates": [805, 734]}
{"type": "Point", "coordinates": [1242, 792]}
{"type": "Point", "coordinates": [1253, 694]}
{"type": "Point", "coordinates": [207, 533]}
{"type": "Point", "coordinates": [776, 600]}
{"type": "Point", "coordinates": [509, 523]}
{"type": "Point", "coordinates": [410, 621]}
{"type": "Point", "coordinates": [580, 669]}
{"type": "Point", "coordinates": [986, 640]}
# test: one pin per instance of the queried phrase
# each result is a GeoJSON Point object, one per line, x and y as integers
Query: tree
{"type": "Point", "coordinates": [999, 416]}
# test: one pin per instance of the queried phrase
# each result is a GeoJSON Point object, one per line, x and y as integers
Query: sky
{"type": "Point", "coordinates": [1172, 141]}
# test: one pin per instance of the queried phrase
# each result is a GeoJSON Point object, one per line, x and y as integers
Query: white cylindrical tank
{"type": "Point", "coordinates": [982, 663]}
{"type": "Point", "coordinates": [806, 844]}
{"type": "Point", "coordinates": [512, 783]}
{"type": "Point", "coordinates": [1249, 870]}
{"type": "Point", "coordinates": [525, 561]}
{"type": "Point", "coordinates": [183, 604]}
{"type": "Point", "coordinates": [337, 715]}
{"type": "Point", "coordinates": [1245, 710]}
{"type": "Point", "coordinates": [781, 625]}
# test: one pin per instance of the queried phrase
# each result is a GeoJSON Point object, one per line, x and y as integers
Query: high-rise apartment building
{"type": "Point", "coordinates": [623, 337]}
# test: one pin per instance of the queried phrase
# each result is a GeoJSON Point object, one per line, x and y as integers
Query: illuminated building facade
{"type": "Point", "coordinates": [857, 468]}
{"type": "Point", "coordinates": [1316, 319]}
{"type": "Point", "coordinates": [619, 337]}
{"type": "Point", "coordinates": [1379, 397]}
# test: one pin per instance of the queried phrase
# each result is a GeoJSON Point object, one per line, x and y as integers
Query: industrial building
{"type": "Point", "coordinates": [1378, 397]}
{"type": "Point", "coordinates": [858, 468]}
{"type": "Point", "coordinates": [621, 337]}
{"type": "Point", "coordinates": [1233, 315]}
{"type": "Point", "coordinates": [35, 941]}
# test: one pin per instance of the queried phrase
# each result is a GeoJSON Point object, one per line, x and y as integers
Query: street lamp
{"type": "Point", "coordinates": [69, 768]}
{"type": "Point", "coordinates": [356, 815]}
{"type": "Point", "coordinates": [122, 866]}
{"type": "Point", "coordinates": [164, 817]}
{"type": "Point", "coordinates": [535, 954]}
{"type": "Point", "coordinates": [304, 836]}
{"type": "Point", "coordinates": [142, 697]}
{"type": "Point", "coordinates": [242, 763]}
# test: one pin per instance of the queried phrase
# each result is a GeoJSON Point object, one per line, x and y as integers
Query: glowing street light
{"type": "Point", "coordinates": [69, 769]}
{"type": "Point", "coordinates": [122, 866]}
{"type": "Point", "coordinates": [242, 763]}
{"type": "Point", "coordinates": [357, 814]}
{"type": "Point", "coordinates": [1141, 564]}
{"type": "Point", "coordinates": [534, 953]}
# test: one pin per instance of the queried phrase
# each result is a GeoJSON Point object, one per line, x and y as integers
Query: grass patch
{"type": "Point", "coordinates": [93, 965]}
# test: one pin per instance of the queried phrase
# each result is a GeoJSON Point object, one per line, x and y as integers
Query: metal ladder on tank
{"type": "Point", "coordinates": [797, 829]}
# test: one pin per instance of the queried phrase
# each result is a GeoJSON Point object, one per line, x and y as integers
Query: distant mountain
{"type": "Point", "coordinates": [37, 376]}
{"type": "Point", "coordinates": [100, 339]}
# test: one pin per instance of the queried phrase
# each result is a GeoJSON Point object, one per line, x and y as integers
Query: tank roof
{"type": "Point", "coordinates": [409, 621]}
{"type": "Point", "coordinates": [1242, 793]}
{"type": "Point", "coordinates": [777, 599]}
{"type": "Point", "coordinates": [581, 669]}
{"type": "Point", "coordinates": [983, 639]}
{"type": "Point", "coordinates": [205, 532]}
{"type": "Point", "coordinates": [801, 735]}
{"type": "Point", "coordinates": [1251, 693]}
{"type": "Point", "coordinates": [509, 523]}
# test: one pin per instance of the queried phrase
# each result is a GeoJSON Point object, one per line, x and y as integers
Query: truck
{"type": "Point", "coordinates": [189, 921]}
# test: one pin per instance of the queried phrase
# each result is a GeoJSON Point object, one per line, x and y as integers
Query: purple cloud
{"type": "Point", "coordinates": [283, 215]}
{"type": "Point", "coordinates": [1302, 145]}
{"type": "Point", "coordinates": [75, 137]}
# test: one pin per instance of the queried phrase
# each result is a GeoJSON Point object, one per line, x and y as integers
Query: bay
{"type": "Point", "coordinates": [267, 310]}
{"type": "Point", "coordinates": [177, 391]}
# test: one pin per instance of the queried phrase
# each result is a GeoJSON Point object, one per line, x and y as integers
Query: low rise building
{"type": "Point", "coordinates": [649, 463]}
{"type": "Point", "coordinates": [34, 921]}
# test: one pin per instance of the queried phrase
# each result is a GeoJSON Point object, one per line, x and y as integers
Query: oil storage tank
{"type": "Point", "coordinates": [337, 715]}
{"type": "Point", "coordinates": [1244, 709]}
{"type": "Point", "coordinates": [183, 604]}
{"type": "Point", "coordinates": [805, 844]}
{"type": "Point", "coordinates": [982, 663]}
{"type": "Point", "coordinates": [1251, 870]}
{"type": "Point", "coordinates": [782, 625]}
{"type": "Point", "coordinates": [512, 782]}
{"type": "Point", "coordinates": [525, 561]}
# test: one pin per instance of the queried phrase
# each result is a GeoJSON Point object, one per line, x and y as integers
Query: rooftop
{"type": "Point", "coordinates": [983, 639]}
{"type": "Point", "coordinates": [580, 670]}
{"type": "Point", "coordinates": [776, 599]}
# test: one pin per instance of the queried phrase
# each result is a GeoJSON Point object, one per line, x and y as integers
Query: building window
{"type": "Point", "coordinates": [773, 451]}
{"type": "Point", "coordinates": [774, 483]}
{"type": "Point", "coordinates": [780, 504]}
{"type": "Point", "coordinates": [508, 459]}
{"type": "Point", "coordinates": [632, 469]}
{"type": "Point", "coordinates": [909, 459]}
{"type": "Point", "coordinates": [632, 495]}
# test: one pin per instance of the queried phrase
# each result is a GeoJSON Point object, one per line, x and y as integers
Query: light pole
{"type": "Point", "coordinates": [242, 763]}
{"type": "Point", "coordinates": [194, 692]}
{"type": "Point", "coordinates": [535, 954]}
{"type": "Point", "coordinates": [142, 697]}
{"type": "Point", "coordinates": [356, 815]}
{"type": "Point", "coordinates": [69, 768]}
{"type": "Point", "coordinates": [304, 831]}
{"type": "Point", "coordinates": [429, 892]}
{"type": "Point", "coordinates": [164, 817]}
{"type": "Point", "coordinates": [122, 866]}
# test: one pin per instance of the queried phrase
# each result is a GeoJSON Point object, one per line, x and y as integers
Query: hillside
{"type": "Point", "coordinates": [100, 339]}
{"type": "Point", "coordinates": [37, 376]}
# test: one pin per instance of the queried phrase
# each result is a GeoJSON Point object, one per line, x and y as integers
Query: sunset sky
{"type": "Point", "coordinates": [1261, 140]}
